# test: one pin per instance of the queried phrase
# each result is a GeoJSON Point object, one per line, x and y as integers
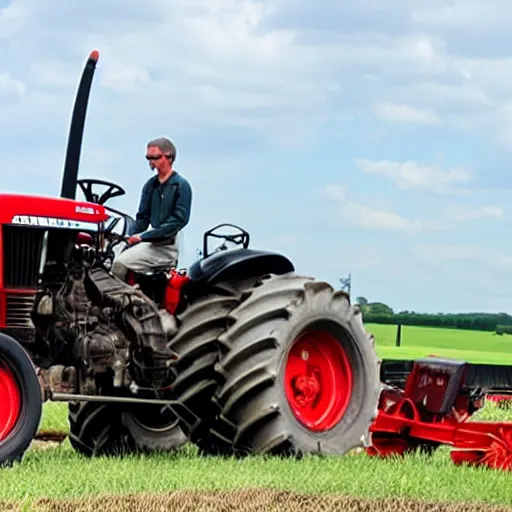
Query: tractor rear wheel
{"type": "Point", "coordinates": [300, 373]}
{"type": "Point", "coordinates": [201, 324]}
{"type": "Point", "coordinates": [20, 401]}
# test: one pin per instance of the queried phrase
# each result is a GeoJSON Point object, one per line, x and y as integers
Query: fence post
{"type": "Point", "coordinates": [398, 334]}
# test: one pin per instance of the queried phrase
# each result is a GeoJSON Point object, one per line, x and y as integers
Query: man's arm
{"type": "Point", "coordinates": [143, 214]}
{"type": "Point", "coordinates": [178, 219]}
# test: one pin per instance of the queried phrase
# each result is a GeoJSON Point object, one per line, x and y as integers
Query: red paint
{"type": "Point", "coordinates": [94, 55]}
{"type": "Point", "coordinates": [318, 380]}
{"type": "Point", "coordinates": [3, 310]}
{"type": "Point", "coordinates": [57, 207]}
{"type": "Point", "coordinates": [10, 401]}
{"type": "Point", "coordinates": [41, 206]}
{"type": "Point", "coordinates": [2, 304]}
{"type": "Point", "coordinates": [131, 278]}
{"type": "Point", "coordinates": [177, 280]}
{"type": "Point", "coordinates": [499, 398]}
{"type": "Point", "coordinates": [435, 407]}
{"type": "Point", "coordinates": [84, 239]}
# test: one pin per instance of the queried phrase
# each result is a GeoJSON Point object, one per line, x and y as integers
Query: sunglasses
{"type": "Point", "coordinates": [153, 157]}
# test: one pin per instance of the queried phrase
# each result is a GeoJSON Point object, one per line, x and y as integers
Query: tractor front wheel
{"type": "Point", "coordinates": [116, 429]}
{"type": "Point", "coordinates": [300, 373]}
{"type": "Point", "coordinates": [20, 401]}
{"type": "Point", "coordinates": [95, 429]}
{"type": "Point", "coordinates": [153, 428]}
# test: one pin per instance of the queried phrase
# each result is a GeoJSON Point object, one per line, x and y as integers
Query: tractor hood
{"type": "Point", "coordinates": [41, 211]}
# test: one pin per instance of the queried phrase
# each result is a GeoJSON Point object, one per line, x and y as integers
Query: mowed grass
{"type": "Point", "coordinates": [60, 473]}
{"type": "Point", "coordinates": [471, 346]}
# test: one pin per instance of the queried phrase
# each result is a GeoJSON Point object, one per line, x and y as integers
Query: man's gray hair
{"type": "Point", "coordinates": [166, 146]}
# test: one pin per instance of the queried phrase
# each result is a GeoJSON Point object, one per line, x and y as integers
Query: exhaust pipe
{"type": "Point", "coordinates": [76, 131]}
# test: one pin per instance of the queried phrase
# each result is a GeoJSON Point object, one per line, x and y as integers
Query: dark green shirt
{"type": "Point", "coordinates": [165, 206]}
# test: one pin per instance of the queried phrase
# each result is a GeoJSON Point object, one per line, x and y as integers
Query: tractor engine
{"type": "Point", "coordinates": [92, 329]}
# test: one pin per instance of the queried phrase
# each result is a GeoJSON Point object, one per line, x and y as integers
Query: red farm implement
{"type": "Point", "coordinates": [435, 408]}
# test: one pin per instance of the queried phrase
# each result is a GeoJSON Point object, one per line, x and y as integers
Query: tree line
{"type": "Point", "coordinates": [380, 313]}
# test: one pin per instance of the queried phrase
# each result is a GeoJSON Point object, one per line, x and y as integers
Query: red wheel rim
{"type": "Point", "coordinates": [10, 401]}
{"type": "Point", "coordinates": [318, 380]}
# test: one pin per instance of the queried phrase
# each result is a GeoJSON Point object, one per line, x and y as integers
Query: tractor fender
{"type": "Point", "coordinates": [238, 264]}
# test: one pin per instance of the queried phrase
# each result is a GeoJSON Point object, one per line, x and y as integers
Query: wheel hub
{"type": "Point", "coordinates": [318, 380]}
{"type": "Point", "coordinates": [10, 401]}
{"type": "Point", "coordinates": [306, 389]}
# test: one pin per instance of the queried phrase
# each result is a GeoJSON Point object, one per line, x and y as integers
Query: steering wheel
{"type": "Point", "coordinates": [113, 190]}
{"type": "Point", "coordinates": [114, 221]}
{"type": "Point", "coordinates": [241, 238]}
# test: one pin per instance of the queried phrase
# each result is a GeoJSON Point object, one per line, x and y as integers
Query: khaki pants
{"type": "Point", "coordinates": [144, 256]}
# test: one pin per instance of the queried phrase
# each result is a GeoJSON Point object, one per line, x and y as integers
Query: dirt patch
{"type": "Point", "coordinates": [48, 439]}
{"type": "Point", "coordinates": [52, 436]}
{"type": "Point", "coordinates": [253, 500]}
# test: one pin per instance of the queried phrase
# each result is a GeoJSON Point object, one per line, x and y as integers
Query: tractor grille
{"type": "Point", "coordinates": [18, 310]}
{"type": "Point", "coordinates": [22, 248]}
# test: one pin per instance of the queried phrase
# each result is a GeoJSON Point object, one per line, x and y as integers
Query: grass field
{"type": "Point", "coordinates": [59, 473]}
{"type": "Point", "coordinates": [471, 346]}
{"type": "Point", "coordinates": [186, 481]}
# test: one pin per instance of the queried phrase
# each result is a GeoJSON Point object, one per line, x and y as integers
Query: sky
{"type": "Point", "coordinates": [371, 138]}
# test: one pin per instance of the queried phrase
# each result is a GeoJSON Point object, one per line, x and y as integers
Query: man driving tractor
{"type": "Point", "coordinates": [164, 210]}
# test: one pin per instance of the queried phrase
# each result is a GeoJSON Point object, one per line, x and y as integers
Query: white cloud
{"type": "Point", "coordinates": [366, 217]}
{"type": "Point", "coordinates": [438, 253]}
{"type": "Point", "coordinates": [358, 214]}
{"type": "Point", "coordinates": [203, 62]}
{"type": "Point", "coordinates": [338, 192]}
{"type": "Point", "coordinates": [412, 175]}
{"type": "Point", "coordinates": [402, 113]}
{"type": "Point", "coordinates": [492, 258]}
{"type": "Point", "coordinates": [483, 212]}
{"type": "Point", "coordinates": [501, 259]}
{"type": "Point", "coordinates": [229, 62]}
{"type": "Point", "coordinates": [465, 13]}
{"type": "Point", "coordinates": [125, 76]}
{"type": "Point", "coordinates": [10, 87]}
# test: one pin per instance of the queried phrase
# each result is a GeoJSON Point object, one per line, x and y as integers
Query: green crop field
{"type": "Point", "coordinates": [471, 346]}
{"type": "Point", "coordinates": [54, 477]}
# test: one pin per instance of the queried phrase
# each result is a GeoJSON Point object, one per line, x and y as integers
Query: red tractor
{"type": "Point", "coordinates": [239, 354]}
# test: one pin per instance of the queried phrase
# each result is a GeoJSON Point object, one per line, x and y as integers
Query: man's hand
{"type": "Point", "coordinates": [134, 239]}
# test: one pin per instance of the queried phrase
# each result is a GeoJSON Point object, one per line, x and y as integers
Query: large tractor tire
{"type": "Point", "coordinates": [95, 429]}
{"type": "Point", "coordinates": [20, 401]}
{"type": "Point", "coordinates": [300, 373]}
{"type": "Point", "coordinates": [201, 324]}
{"type": "Point", "coordinates": [105, 429]}
{"type": "Point", "coordinates": [153, 428]}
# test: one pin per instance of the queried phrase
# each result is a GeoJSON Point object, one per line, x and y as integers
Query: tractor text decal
{"type": "Point", "coordinates": [86, 209]}
{"type": "Point", "coordinates": [50, 222]}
